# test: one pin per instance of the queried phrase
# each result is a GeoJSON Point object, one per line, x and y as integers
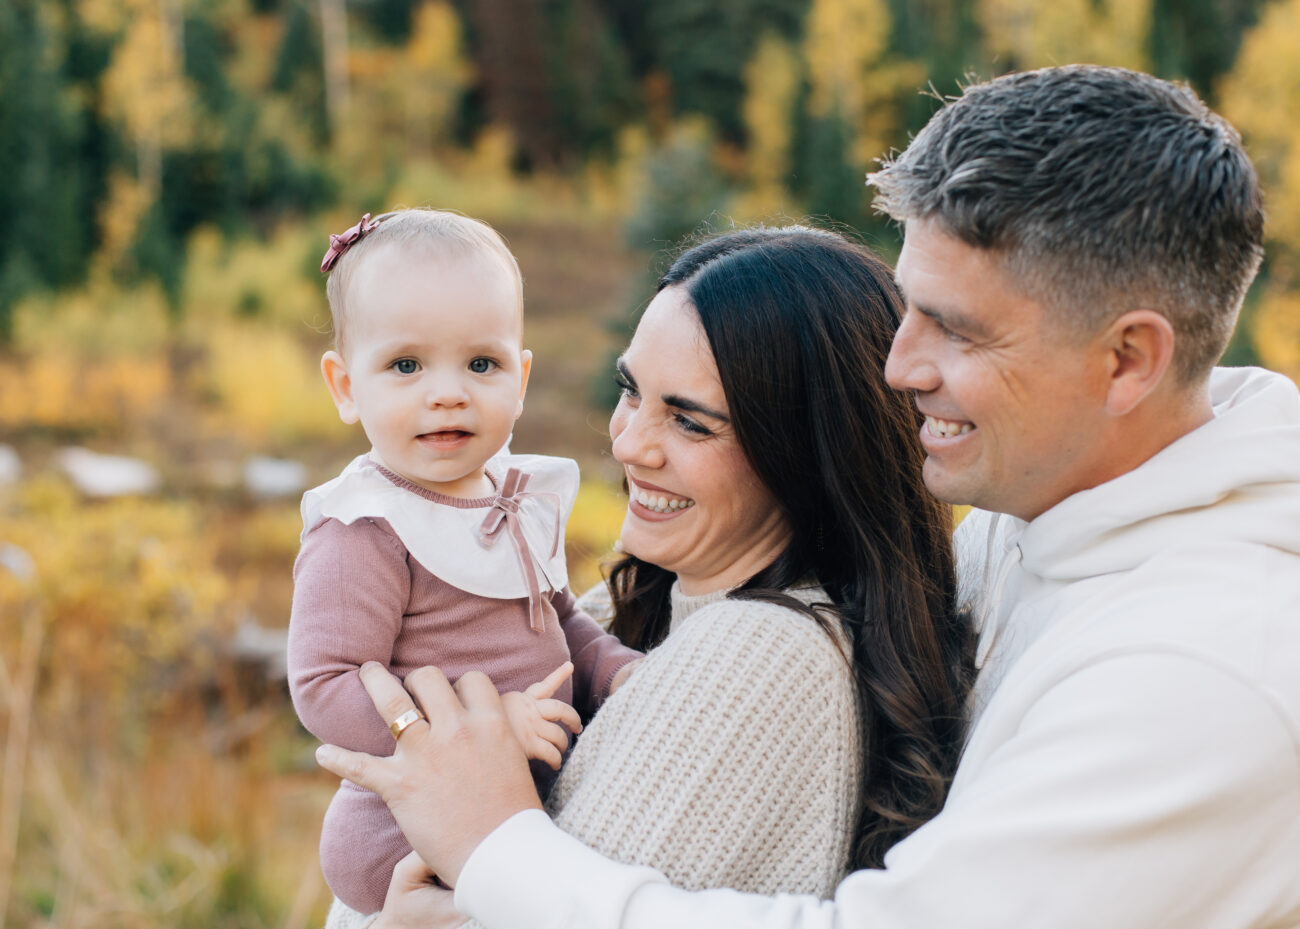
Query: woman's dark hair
{"type": "Point", "coordinates": [800, 322]}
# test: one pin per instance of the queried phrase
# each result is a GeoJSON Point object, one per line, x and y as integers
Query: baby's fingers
{"type": "Point", "coordinates": [543, 750]}
{"type": "Point", "coordinates": [551, 683]}
{"type": "Point", "coordinates": [553, 734]}
{"type": "Point", "coordinates": [557, 711]}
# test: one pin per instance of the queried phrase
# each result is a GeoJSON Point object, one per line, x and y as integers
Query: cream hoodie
{"type": "Point", "coordinates": [1134, 758]}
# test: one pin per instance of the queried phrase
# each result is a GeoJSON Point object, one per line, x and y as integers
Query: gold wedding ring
{"type": "Point", "coordinates": [398, 726]}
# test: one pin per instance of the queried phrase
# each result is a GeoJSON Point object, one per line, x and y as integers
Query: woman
{"type": "Point", "coordinates": [800, 709]}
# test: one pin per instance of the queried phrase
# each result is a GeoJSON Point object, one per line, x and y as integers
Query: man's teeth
{"type": "Point", "coordinates": [661, 504]}
{"type": "Point", "coordinates": [945, 429]}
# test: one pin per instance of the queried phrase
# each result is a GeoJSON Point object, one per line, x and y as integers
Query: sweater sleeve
{"type": "Point", "coordinates": [728, 760]}
{"type": "Point", "coordinates": [351, 587]}
{"type": "Point", "coordinates": [1145, 790]}
{"type": "Point", "coordinates": [596, 654]}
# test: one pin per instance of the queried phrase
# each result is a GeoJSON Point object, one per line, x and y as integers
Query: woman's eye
{"type": "Point", "coordinates": [625, 388]}
{"type": "Point", "coordinates": [482, 365]}
{"type": "Point", "coordinates": [405, 366]}
{"type": "Point", "coordinates": [690, 425]}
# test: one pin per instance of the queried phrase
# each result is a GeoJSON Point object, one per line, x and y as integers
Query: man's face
{"type": "Point", "coordinates": [1014, 405]}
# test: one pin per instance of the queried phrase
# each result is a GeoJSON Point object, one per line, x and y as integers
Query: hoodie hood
{"type": "Point", "coordinates": [1234, 479]}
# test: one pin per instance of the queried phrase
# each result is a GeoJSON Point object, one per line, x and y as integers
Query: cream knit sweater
{"type": "Point", "coordinates": [730, 758]}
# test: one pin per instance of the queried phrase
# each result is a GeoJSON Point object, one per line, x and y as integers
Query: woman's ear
{"type": "Point", "coordinates": [1140, 351]}
{"type": "Point", "coordinates": [525, 368]}
{"type": "Point", "coordinates": [335, 371]}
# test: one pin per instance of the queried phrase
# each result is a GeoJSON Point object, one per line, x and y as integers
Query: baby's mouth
{"type": "Point", "coordinates": [445, 435]}
{"type": "Point", "coordinates": [947, 429]}
{"type": "Point", "coordinates": [661, 503]}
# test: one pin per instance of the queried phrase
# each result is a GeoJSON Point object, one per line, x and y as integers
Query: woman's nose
{"type": "Point", "coordinates": [910, 365]}
{"type": "Point", "coordinates": [634, 441]}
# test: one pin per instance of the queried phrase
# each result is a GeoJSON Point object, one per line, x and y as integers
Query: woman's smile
{"type": "Point", "coordinates": [649, 501]}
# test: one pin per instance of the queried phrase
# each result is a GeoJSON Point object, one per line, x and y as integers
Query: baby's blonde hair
{"type": "Point", "coordinates": [442, 231]}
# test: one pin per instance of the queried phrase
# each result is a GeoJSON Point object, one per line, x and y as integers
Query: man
{"type": "Point", "coordinates": [1078, 243]}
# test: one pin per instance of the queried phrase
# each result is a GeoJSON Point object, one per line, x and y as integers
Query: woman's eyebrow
{"type": "Point", "coordinates": [682, 403]}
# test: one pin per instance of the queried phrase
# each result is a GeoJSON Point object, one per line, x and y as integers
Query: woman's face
{"type": "Point", "coordinates": [696, 507]}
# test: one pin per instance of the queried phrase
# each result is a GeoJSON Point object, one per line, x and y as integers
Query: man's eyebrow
{"type": "Point", "coordinates": [954, 320]}
{"type": "Point", "coordinates": [677, 400]}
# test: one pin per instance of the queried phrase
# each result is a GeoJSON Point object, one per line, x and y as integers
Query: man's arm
{"type": "Point", "coordinates": [1142, 791]}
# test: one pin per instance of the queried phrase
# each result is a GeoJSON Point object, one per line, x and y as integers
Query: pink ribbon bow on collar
{"type": "Point", "coordinates": [505, 511]}
{"type": "Point", "coordinates": [342, 242]}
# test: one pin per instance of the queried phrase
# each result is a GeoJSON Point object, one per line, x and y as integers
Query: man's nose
{"type": "Point", "coordinates": [910, 365]}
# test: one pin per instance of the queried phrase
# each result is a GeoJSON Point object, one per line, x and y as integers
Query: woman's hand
{"type": "Point", "coordinates": [535, 716]}
{"type": "Point", "coordinates": [416, 901]}
{"type": "Point", "coordinates": [455, 776]}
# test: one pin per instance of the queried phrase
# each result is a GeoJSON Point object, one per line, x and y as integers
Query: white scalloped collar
{"type": "Point", "coordinates": [442, 533]}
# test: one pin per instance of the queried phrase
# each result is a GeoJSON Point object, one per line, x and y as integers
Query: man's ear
{"type": "Point", "coordinates": [1140, 351]}
{"type": "Point", "coordinates": [335, 371]}
{"type": "Point", "coordinates": [525, 367]}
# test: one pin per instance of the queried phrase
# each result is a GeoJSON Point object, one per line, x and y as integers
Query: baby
{"type": "Point", "coordinates": [436, 547]}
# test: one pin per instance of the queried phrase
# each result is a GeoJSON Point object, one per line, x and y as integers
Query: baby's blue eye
{"type": "Point", "coordinates": [405, 366]}
{"type": "Point", "coordinates": [481, 365]}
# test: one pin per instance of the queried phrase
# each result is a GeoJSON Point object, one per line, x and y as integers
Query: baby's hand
{"type": "Point", "coordinates": [535, 717]}
{"type": "Point", "coordinates": [621, 676]}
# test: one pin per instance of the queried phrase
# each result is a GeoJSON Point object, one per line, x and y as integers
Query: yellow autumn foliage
{"type": "Point", "coordinates": [145, 88]}
{"type": "Point", "coordinates": [271, 280]}
{"type": "Point", "coordinates": [125, 205]}
{"type": "Point", "coordinates": [594, 525]}
{"type": "Point", "coordinates": [771, 81]}
{"type": "Point", "coordinates": [842, 39]}
{"type": "Point", "coordinates": [125, 589]}
{"type": "Point", "coordinates": [1276, 332]}
{"type": "Point", "coordinates": [92, 359]}
{"type": "Point", "coordinates": [1261, 97]}
{"type": "Point", "coordinates": [850, 77]}
{"type": "Point", "coordinates": [101, 395]}
{"type": "Point", "coordinates": [1040, 33]}
{"type": "Point", "coordinates": [434, 72]}
{"type": "Point", "coordinates": [264, 385]}
{"type": "Point", "coordinates": [401, 104]}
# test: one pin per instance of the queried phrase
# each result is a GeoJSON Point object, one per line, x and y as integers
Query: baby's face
{"type": "Point", "coordinates": [433, 366]}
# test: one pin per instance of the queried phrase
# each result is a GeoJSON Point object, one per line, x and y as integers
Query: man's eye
{"type": "Point", "coordinates": [481, 365]}
{"type": "Point", "coordinates": [405, 366]}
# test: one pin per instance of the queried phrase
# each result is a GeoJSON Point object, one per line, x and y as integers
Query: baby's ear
{"type": "Point", "coordinates": [525, 368]}
{"type": "Point", "coordinates": [335, 371]}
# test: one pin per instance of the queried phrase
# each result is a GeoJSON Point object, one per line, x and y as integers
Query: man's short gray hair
{"type": "Point", "coordinates": [1103, 190]}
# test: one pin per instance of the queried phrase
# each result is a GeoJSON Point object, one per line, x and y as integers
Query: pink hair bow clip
{"type": "Point", "coordinates": [342, 242]}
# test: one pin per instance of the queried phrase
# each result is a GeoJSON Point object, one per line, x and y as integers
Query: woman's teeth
{"type": "Point", "coordinates": [945, 429]}
{"type": "Point", "coordinates": [661, 504]}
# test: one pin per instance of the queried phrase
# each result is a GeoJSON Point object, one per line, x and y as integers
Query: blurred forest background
{"type": "Point", "coordinates": [169, 172]}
